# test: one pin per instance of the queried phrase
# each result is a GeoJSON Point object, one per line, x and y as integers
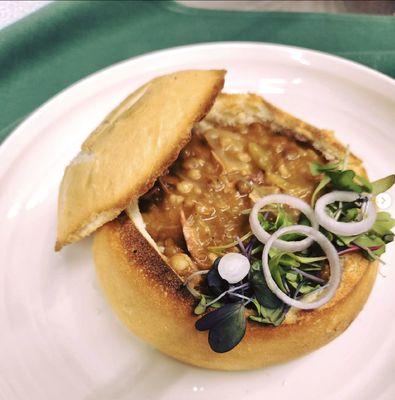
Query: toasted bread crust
{"type": "Point", "coordinates": [134, 145]}
{"type": "Point", "coordinates": [139, 252]}
{"type": "Point", "coordinates": [148, 296]}
{"type": "Point", "coordinates": [150, 300]}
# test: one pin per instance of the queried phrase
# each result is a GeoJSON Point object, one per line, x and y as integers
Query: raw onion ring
{"type": "Point", "coordinates": [344, 228]}
{"type": "Point", "coordinates": [334, 265]}
{"type": "Point", "coordinates": [292, 201]}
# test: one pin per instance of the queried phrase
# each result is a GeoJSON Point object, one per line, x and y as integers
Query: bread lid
{"type": "Point", "coordinates": [131, 148]}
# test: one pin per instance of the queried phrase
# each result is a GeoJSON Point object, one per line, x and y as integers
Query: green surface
{"type": "Point", "coordinates": [66, 41]}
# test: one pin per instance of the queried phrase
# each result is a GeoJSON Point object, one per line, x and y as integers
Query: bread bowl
{"type": "Point", "coordinates": [143, 259]}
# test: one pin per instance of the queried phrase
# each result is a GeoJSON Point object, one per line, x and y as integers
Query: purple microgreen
{"type": "Point", "coordinates": [354, 248]}
{"type": "Point", "coordinates": [241, 246]}
{"type": "Point", "coordinates": [300, 285]}
{"type": "Point", "coordinates": [226, 325]}
{"type": "Point", "coordinates": [307, 275]}
{"type": "Point", "coordinates": [250, 247]}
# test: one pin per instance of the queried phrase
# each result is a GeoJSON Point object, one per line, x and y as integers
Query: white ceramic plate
{"type": "Point", "coordinates": [58, 337]}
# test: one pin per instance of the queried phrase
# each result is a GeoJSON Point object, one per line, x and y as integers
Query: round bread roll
{"type": "Point", "coordinates": [150, 299]}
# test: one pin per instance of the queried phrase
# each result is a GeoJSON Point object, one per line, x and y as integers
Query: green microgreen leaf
{"type": "Point", "coordinates": [364, 183]}
{"type": "Point", "coordinates": [345, 240]}
{"type": "Point", "coordinates": [323, 182]}
{"type": "Point", "coordinates": [288, 261]}
{"type": "Point", "coordinates": [350, 215]}
{"type": "Point", "coordinates": [367, 240]}
{"type": "Point", "coordinates": [262, 292]}
{"type": "Point", "coordinates": [282, 219]}
{"type": "Point", "coordinates": [383, 224]}
{"type": "Point", "coordinates": [379, 235]}
{"type": "Point", "coordinates": [201, 307]}
{"type": "Point", "coordinates": [306, 260]}
{"type": "Point", "coordinates": [317, 169]}
{"type": "Point", "coordinates": [308, 287]}
{"type": "Point", "coordinates": [344, 180]}
{"type": "Point", "coordinates": [383, 184]}
{"type": "Point", "coordinates": [298, 282]}
{"type": "Point", "coordinates": [270, 316]}
{"type": "Point", "coordinates": [277, 272]}
{"type": "Point", "coordinates": [271, 310]}
{"type": "Point", "coordinates": [341, 178]}
{"type": "Point", "coordinates": [311, 267]}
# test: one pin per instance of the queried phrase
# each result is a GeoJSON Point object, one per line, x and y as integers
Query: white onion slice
{"type": "Point", "coordinates": [291, 201]}
{"type": "Point", "coordinates": [344, 228]}
{"type": "Point", "coordinates": [334, 265]}
{"type": "Point", "coordinates": [233, 267]}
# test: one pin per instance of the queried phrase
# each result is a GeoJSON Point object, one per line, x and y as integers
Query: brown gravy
{"type": "Point", "coordinates": [200, 202]}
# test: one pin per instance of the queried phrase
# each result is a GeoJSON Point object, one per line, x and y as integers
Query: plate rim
{"type": "Point", "coordinates": [22, 130]}
{"type": "Point", "coordinates": [12, 138]}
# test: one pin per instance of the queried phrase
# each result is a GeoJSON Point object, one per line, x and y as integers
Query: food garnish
{"type": "Point", "coordinates": [279, 265]}
{"type": "Point", "coordinates": [332, 257]}
{"type": "Point", "coordinates": [263, 236]}
{"type": "Point", "coordinates": [234, 267]}
{"type": "Point", "coordinates": [364, 216]}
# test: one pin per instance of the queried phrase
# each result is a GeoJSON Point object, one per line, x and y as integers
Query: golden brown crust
{"type": "Point", "coordinates": [147, 295]}
{"type": "Point", "coordinates": [234, 109]}
{"type": "Point", "coordinates": [139, 252]}
{"type": "Point", "coordinates": [148, 298]}
{"type": "Point", "coordinates": [321, 139]}
{"type": "Point", "coordinates": [134, 145]}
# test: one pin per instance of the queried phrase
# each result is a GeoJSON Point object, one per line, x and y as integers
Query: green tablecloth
{"type": "Point", "coordinates": [64, 42]}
